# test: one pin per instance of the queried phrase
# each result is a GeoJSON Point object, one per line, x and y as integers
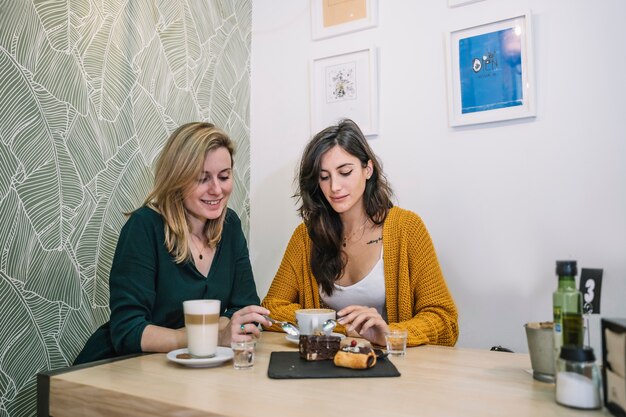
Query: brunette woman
{"type": "Point", "coordinates": [357, 253]}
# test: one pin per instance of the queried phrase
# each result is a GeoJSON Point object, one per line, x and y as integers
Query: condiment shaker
{"type": "Point", "coordinates": [578, 379]}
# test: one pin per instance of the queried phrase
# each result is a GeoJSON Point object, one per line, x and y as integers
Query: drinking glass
{"type": "Point", "coordinates": [396, 342]}
{"type": "Point", "coordinates": [243, 354]}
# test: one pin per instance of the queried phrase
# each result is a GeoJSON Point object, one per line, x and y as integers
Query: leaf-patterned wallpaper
{"type": "Point", "coordinates": [89, 92]}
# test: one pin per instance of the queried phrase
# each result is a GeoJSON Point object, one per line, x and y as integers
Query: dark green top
{"type": "Point", "coordinates": [148, 287]}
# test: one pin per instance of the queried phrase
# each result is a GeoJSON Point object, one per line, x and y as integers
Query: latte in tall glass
{"type": "Point", "coordinates": [201, 322]}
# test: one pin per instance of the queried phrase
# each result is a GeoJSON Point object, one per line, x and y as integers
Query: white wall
{"type": "Point", "coordinates": [502, 201]}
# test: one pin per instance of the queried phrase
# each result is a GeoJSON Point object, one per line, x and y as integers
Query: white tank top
{"type": "Point", "coordinates": [370, 291]}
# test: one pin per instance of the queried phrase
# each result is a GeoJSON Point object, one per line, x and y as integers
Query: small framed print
{"type": "Point", "coordinates": [336, 17]}
{"type": "Point", "coordinates": [457, 3]}
{"type": "Point", "coordinates": [490, 71]}
{"type": "Point", "coordinates": [343, 86]}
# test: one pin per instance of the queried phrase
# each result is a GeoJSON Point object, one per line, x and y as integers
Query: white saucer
{"type": "Point", "coordinates": [296, 339]}
{"type": "Point", "coordinates": [222, 355]}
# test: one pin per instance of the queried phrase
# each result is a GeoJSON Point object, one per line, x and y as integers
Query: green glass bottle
{"type": "Point", "coordinates": [567, 304]}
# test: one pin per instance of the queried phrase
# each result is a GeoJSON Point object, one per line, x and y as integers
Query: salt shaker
{"type": "Point", "coordinates": [578, 378]}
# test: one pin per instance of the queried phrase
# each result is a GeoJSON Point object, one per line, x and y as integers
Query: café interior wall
{"type": "Point", "coordinates": [89, 92]}
{"type": "Point", "coordinates": [502, 201]}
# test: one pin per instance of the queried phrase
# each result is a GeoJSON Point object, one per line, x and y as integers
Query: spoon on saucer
{"type": "Point", "coordinates": [287, 327]}
{"type": "Point", "coordinates": [328, 326]}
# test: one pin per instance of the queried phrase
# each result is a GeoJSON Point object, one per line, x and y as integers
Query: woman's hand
{"type": "Point", "coordinates": [365, 321]}
{"type": "Point", "coordinates": [241, 327]}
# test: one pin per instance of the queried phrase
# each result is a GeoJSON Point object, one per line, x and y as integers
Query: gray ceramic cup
{"type": "Point", "coordinates": [311, 319]}
{"type": "Point", "coordinates": [540, 339]}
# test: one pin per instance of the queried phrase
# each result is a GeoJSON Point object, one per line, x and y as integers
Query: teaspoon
{"type": "Point", "coordinates": [287, 327]}
{"type": "Point", "coordinates": [328, 326]}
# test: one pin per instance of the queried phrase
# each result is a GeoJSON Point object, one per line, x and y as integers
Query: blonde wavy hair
{"type": "Point", "coordinates": [177, 172]}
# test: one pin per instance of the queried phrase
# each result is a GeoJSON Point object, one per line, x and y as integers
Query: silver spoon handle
{"type": "Point", "coordinates": [271, 320]}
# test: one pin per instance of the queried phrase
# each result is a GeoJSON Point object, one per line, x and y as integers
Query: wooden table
{"type": "Point", "coordinates": [435, 381]}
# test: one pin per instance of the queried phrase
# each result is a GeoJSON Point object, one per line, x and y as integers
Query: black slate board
{"type": "Point", "coordinates": [289, 365]}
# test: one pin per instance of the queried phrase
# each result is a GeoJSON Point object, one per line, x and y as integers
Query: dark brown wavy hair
{"type": "Point", "coordinates": [324, 226]}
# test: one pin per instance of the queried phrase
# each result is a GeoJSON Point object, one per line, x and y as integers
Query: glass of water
{"type": "Point", "coordinates": [396, 342]}
{"type": "Point", "coordinates": [243, 354]}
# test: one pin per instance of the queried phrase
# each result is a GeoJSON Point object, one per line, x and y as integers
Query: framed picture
{"type": "Point", "coordinates": [343, 86]}
{"type": "Point", "coordinates": [490, 72]}
{"type": "Point", "coordinates": [336, 17]}
{"type": "Point", "coordinates": [457, 3]}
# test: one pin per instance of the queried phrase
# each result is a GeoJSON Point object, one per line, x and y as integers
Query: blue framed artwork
{"type": "Point", "coordinates": [490, 73]}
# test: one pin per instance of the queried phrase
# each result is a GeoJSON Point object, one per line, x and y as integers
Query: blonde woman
{"type": "Point", "coordinates": [182, 244]}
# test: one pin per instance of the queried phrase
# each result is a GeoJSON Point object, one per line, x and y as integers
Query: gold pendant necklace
{"type": "Point", "coordinates": [199, 251]}
{"type": "Point", "coordinates": [346, 239]}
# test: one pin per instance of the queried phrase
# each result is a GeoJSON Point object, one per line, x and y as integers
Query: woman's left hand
{"type": "Point", "coordinates": [365, 321]}
{"type": "Point", "coordinates": [242, 326]}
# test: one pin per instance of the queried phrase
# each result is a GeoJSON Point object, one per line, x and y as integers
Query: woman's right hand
{"type": "Point", "coordinates": [242, 326]}
{"type": "Point", "coordinates": [365, 321]}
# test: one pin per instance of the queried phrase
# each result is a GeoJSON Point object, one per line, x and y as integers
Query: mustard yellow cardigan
{"type": "Point", "coordinates": [417, 297]}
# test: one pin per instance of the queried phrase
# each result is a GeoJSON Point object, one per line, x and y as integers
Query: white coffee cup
{"type": "Point", "coordinates": [202, 324]}
{"type": "Point", "coordinates": [310, 320]}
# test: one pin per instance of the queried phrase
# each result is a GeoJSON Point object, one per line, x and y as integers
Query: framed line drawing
{"type": "Point", "coordinates": [343, 86]}
{"type": "Point", "coordinates": [336, 17]}
{"type": "Point", "coordinates": [490, 72]}
{"type": "Point", "coordinates": [457, 3]}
